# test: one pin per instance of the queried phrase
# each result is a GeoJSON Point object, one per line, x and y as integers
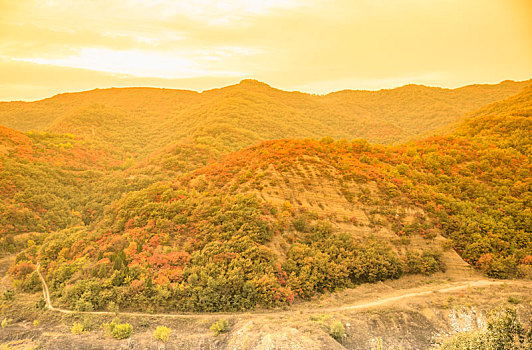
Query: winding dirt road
{"type": "Point", "coordinates": [46, 291]}
{"type": "Point", "coordinates": [363, 305]}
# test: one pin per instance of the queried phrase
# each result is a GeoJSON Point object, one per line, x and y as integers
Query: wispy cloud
{"type": "Point", "coordinates": [312, 44]}
{"type": "Point", "coordinates": [167, 64]}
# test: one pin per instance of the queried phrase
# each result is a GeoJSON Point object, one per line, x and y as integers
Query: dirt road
{"type": "Point", "coordinates": [405, 294]}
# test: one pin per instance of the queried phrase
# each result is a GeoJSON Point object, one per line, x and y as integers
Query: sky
{"type": "Point", "coordinates": [317, 46]}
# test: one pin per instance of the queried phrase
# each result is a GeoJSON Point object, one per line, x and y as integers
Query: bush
{"type": "Point", "coordinates": [113, 307]}
{"type": "Point", "coordinates": [220, 326]}
{"type": "Point", "coordinates": [32, 283]}
{"type": "Point", "coordinates": [514, 300]}
{"type": "Point", "coordinates": [447, 245]}
{"type": "Point", "coordinates": [77, 328]}
{"type": "Point", "coordinates": [426, 263]}
{"type": "Point", "coordinates": [41, 304]}
{"type": "Point", "coordinates": [108, 327]}
{"type": "Point", "coordinates": [9, 294]}
{"type": "Point", "coordinates": [5, 322]}
{"type": "Point", "coordinates": [83, 305]}
{"type": "Point", "coordinates": [122, 331]}
{"type": "Point", "coordinates": [337, 331]}
{"type": "Point", "coordinates": [301, 223]}
{"type": "Point", "coordinates": [504, 331]}
{"type": "Point", "coordinates": [162, 333]}
{"type": "Point", "coordinates": [36, 323]}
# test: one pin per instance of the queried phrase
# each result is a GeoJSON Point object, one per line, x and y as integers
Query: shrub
{"type": "Point", "coordinates": [220, 326]}
{"type": "Point", "coordinates": [5, 322]}
{"type": "Point", "coordinates": [113, 307]}
{"type": "Point", "coordinates": [504, 331]}
{"type": "Point", "coordinates": [365, 159]}
{"type": "Point", "coordinates": [514, 300]}
{"type": "Point", "coordinates": [83, 305]}
{"type": "Point", "coordinates": [77, 328]}
{"type": "Point", "coordinates": [426, 263]}
{"type": "Point", "coordinates": [337, 330]}
{"type": "Point", "coordinates": [9, 294]}
{"type": "Point", "coordinates": [36, 323]}
{"type": "Point", "coordinates": [432, 260]}
{"type": "Point", "coordinates": [162, 333]}
{"type": "Point", "coordinates": [31, 283]}
{"type": "Point", "coordinates": [122, 331]}
{"type": "Point", "coordinates": [41, 304]}
{"type": "Point", "coordinates": [109, 327]}
{"type": "Point", "coordinates": [447, 245]}
{"type": "Point", "coordinates": [301, 223]}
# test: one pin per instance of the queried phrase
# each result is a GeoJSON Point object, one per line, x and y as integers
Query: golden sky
{"type": "Point", "coordinates": [318, 46]}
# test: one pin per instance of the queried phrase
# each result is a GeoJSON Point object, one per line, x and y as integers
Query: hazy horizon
{"type": "Point", "coordinates": [265, 82]}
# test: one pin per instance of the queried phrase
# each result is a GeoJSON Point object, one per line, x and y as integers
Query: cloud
{"type": "Point", "coordinates": [175, 64]}
{"type": "Point", "coordinates": [291, 44]}
{"type": "Point", "coordinates": [32, 41]}
{"type": "Point", "coordinates": [36, 81]}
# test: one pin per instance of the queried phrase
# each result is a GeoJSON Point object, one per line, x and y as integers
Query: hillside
{"type": "Point", "coordinates": [214, 249]}
{"type": "Point", "coordinates": [44, 180]}
{"type": "Point", "coordinates": [285, 220]}
{"type": "Point", "coordinates": [200, 222]}
{"type": "Point", "coordinates": [417, 109]}
{"type": "Point", "coordinates": [145, 212]}
{"type": "Point", "coordinates": [141, 120]}
{"type": "Point", "coordinates": [506, 123]}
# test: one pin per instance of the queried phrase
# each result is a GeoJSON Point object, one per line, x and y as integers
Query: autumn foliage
{"type": "Point", "coordinates": [188, 225]}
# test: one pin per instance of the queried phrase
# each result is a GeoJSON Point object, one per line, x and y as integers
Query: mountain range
{"type": "Point", "coordinates": [249, 196]}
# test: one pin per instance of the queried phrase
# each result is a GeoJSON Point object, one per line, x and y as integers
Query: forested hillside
{"type": "Point", "coordinates": [141, 120]}
{"type": "Point", "coordinates": [45, 180]}
{"type": "Point", "coordinates": [417, 109]}
{"type": "Point", "coordinates": [162, 208]}
{"type": "Point", "coordinates": [506, 123]}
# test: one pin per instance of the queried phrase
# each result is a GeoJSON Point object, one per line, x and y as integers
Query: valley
{"type": "Point", "coordinates": [403, 213]}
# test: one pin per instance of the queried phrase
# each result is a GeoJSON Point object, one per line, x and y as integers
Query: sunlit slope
{"type": "Point", "coordinates": [478, 194]}
{"type": "Point", "coordinates": [415, 109]}
{"type": "Point", "coordinates": [507, 123]}
{"type": "Point", "coordinates": [141, 120]}
{"type": "Point", "coordinates": [45, 178]}
{"type": "Point", "coordinates": [192, 227]}
{"type": "Point", "coordinates": [209, 241]}
{"type": "Point", "coordinates": [41, 114]}
{"type": "Point", "coordinates": [287, 219]}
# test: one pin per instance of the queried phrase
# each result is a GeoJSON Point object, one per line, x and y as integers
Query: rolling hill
{"type": "Point", "coordinates": [141, 120]}
{"type": "Point", "coordinates": [231, 199]}
{"type": "Point", "coordinates": [196, 226]}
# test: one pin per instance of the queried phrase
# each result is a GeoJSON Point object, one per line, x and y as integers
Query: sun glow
{"type": "Point", "coordinates": [314, 45]}
{"type": "Point", "coordinates": [145, 64]}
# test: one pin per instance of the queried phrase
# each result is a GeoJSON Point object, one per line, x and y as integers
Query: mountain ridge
{"type": "Point", "coordinates": [252, 109]}
{"type": "Point", "coordinates": [256, 82]}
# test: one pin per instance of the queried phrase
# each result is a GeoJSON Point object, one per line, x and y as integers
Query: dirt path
{"type": "Point", "coordinates": [46, 292]}
{"type": "Point", "coordinates": [442, 289]}
{"type": "Point", "coordinates": [414, 292]}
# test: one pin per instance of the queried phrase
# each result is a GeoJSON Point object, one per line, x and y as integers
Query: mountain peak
{"type": "Point", "coordinates": [253, 82]}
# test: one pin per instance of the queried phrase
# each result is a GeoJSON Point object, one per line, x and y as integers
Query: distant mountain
{"type": "Point", "coordinates": [141, 120]}
{"type": "Point", "coordinates": [418, 109]}
{"type": "Point", "coordinates": [506, 123]}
